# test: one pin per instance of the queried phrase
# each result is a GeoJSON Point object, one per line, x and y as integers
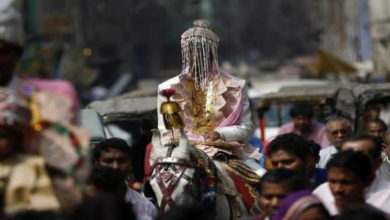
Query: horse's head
{"type": "Point", "coordinates": [181, 150]}
{"type": "Point", "coordinates": [174, 170]}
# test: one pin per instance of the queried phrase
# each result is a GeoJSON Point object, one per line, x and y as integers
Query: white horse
{"type": "Point", "coordinates": [183, 174]}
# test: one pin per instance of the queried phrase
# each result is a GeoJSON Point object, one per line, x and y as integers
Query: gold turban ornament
{"type": "Point", "coordinates": [170, 111]}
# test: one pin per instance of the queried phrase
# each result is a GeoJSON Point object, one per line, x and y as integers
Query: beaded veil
{"type": "Point", "coordinates": [199, 52]}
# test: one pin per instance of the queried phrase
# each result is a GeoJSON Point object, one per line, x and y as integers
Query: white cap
{"type": "Point", "coordinates": [11, 23]}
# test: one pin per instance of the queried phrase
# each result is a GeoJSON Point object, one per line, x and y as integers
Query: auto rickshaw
{"type": "Point", "coordinates": [130, 116]}
{"type": "Point", "coordinates": [273, 108]}
{"type": "Point", "coordinates": [352, 101]}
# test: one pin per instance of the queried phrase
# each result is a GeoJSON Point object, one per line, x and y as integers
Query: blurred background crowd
{"type": "Point", "coordinates": [132, 41]}
{"type": "Point", "coordinates": [78, 101]}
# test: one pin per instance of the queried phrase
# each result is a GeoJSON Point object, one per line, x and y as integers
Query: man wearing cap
{"type": "Point", "coordinates": [11, 40]}
{"type": "Point", "coordinates": [36, 132]}
{"type": "Point", "coordinates": [11, 48]}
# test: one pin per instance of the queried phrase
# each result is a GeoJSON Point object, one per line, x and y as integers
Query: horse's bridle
{"type": "Point", "coordinates": [163, 176]}
{"type": "Point", "coordinates": [205, 181]}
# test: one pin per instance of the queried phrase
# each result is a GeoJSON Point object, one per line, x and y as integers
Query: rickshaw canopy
{"type": "Point", "coordinates": [124, 108]}
{"type": "Point", "coordinates": [315, 94]}
{"type": "Point", "coordinates": [352, 100]}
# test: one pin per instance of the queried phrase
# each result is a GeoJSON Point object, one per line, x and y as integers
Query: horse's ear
{"type": "Point", "coordinates": [156, 138]}
{"type": "Point", "coordinates": [183, 139]}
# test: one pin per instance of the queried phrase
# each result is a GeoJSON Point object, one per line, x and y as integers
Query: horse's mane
{"type": "Point", "coordinates": [197, 155]}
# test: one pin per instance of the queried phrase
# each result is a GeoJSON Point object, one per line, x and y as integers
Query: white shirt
{"type": "Point", "coordinates": [384, 169]}
{"type": "Point", "coordinates": [240, 132]}
{"type": "Point", "coordinates": [143, 208]}
{"type": "Point", "coordinates": [325, 155]}
{"type": "Point", "coordinates": [377, 195]}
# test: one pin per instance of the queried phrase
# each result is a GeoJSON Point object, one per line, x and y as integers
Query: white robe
{"type": "Point", "coordinates": [240, 132]}
{"type": "Point", "coordinates": [377, 195]}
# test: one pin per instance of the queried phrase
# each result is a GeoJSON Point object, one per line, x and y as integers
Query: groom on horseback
{"type": "Point", "coordinates": [212, 108]}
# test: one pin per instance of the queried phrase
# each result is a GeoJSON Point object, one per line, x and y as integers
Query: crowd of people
{"type": "Point", "coordinates": [48, 170]}
{"type": "Point", "coordinates": [345, 178]}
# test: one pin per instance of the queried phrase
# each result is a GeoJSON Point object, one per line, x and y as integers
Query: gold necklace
{"type": "Point", "coordinates": [203, 107]}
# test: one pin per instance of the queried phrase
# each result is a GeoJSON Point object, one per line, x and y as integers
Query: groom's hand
{"type": "Point", "coordinates": [213, 136]}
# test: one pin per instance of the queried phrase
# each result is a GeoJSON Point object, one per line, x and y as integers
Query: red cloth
{"type": "Point", "coordinates": [317, 133]}
{"type": "Point", "coordinates": [147, 167]}
{"type": "Point", "coordinates": [243, 190]}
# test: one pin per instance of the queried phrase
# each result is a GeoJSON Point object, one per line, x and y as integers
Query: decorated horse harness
{"type": "Point", "coordinates": [168, 172]}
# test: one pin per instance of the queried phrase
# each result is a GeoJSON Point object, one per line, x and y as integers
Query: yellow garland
{"type": "Point", "coordinates": [35, 113]}
{"type": "Point", "coordinates": [243, 171]}
{"type": "Point", "coordinates": [252, 191]}
{"type": "Point", "coordinates": [202, 106]}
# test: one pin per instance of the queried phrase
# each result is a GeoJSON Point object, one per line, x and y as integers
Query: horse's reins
{"type": "Point", "coordinates": [162, 165]}
{"type": "Point", "coordinates": [173, 178]}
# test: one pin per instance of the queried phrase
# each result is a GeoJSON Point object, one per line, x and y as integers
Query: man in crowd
{"type": "Point", "coordinates": [362, 212]}
{"type": "Point", "coordinates": [291, 151]}
{"type": "Point", "coordinates": [377, 193]}
{"type": "Point", "coordinates": [367, 144]}
{"type": "Point", "coordinates": [273, 187]}
{"type": "Point", "coordinates": [11, 41]}
{"type": "Point", "coordinates": [375, 127]}
{"type": "Point", "coordinates": [384, 169]}
{"type": "Point", "coordinates": [104, 179]}
{"type": "Point", "coordinates": [115, 153]}
{"type": "Point", "coordinates": [301, 115]}
{"type": "Point", "coordinates": [9, 55]}
{"type": "Point", "coordinates": [350, 173]}
{"type": "Point", "coordinates": [338, 130]}
{"type": "Point", "coordinates": [106, 189]}
{"type": "Point", "coordinates": [317, 175]}
{"type": "Point", "coordinates": [29, 178]}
